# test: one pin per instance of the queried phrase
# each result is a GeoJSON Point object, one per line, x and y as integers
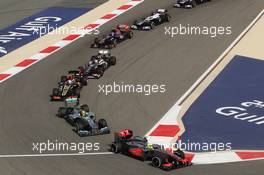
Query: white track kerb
{"type": "Point", "coordinates": [166, 131]}
{"type": "Point", "coordinates": [67, 40]}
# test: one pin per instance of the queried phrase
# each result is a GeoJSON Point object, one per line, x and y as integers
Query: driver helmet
{"type": "Point", "coordinates": [70, 81]}
{"type": "Point", "coordinates": [82, 113]}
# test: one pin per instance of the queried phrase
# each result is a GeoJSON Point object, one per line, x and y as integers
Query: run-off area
{"type": "Point", "coordinates": [230, 111]}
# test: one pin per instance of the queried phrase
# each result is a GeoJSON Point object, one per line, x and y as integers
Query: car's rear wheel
{"type": "Point", "coordinates": [194, 3]}
{"type": "Point", "coordinates": [130, 35]}
{"type": "Point", "coordinates": [180, 153]}
{"type": "Point", "coordinates": [152, 25]}
{"type": "Point", "coordinates": [64, 78]}
{"type": "Point", "coordinates": [113, 60]}
{"type": "Point", "coordinates": [77, 92]}
{"type": "Point", "coordinates": [100, 71]}
{"type": "Point", "coordinates": [102, 123]}
{"type": "Point", "coordinates": [83, 81]}
{"type": "Point", "coordinates": [55, 91]}
{"type": "Point", "coordinates": [62, 111]}
{"type": "Point", "coordinates": [79, 125]}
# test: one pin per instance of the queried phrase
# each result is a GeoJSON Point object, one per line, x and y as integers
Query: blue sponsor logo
{"type": "Point", "coordinates": [36, 26]}
{"type": "Point", "coordinates": [231, 109]}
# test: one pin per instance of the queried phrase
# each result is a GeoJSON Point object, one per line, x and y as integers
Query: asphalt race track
{"type": "Point", "coordinates": [149, 58]}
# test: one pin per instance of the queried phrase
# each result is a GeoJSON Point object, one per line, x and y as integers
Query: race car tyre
{"type": "Point", "coordinates": [115, 148]}
{"type": "Point", "coordinates": [113, 45]}
{"type": "Point", "coordinates": [167, 18]}
{"type": "Point", "coordinates": [152, 25]}
{"type": "Point", "coordinates": [102, 123]}
{"type": "Point", "coordinates": [64, 78]}
{"type": "Point", "coordinates": [93, 117]}
{"type": "Point", "coordinates": [130, 35]}
{"type": "Point", "coordinates": [113, 60]}
{"type": "Point", "coordinates": [96, 43]}
{"type": "Point", "coordinates": [83, 81]}
{"type": "Point", "coordinates": [85, 107]}
{"type": "Point", "coordinates": [62, 111]}
{"type": "Point", "coordinates": [194, 3]}
{"type": "Point", "coordinates": [157, 161]}
{"type": "Point", "coordinates": [100, 71]}
{"type": "Point", "coordinates": [180, 154]}
{"type": "Point", "coordinates": [78, 125]}
{"type": "Point", "coordinates": [81, 69]}
{"type": "Point", "coordinates": [55, 91]}
{"type": "Point", "coordinates": [78, 92]}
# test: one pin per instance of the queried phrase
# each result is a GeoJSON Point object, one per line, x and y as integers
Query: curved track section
{"type": "Point", "coordinates": [150, 58]}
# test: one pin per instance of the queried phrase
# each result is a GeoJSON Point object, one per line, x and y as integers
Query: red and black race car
{"type": "Point", "coordinates": [141, 149]}
{"type": "Point", "coordinates": [136, 147]}
{"type": "Point", "coordinates": [120, 33]}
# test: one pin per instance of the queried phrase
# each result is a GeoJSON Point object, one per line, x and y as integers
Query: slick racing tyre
{"type": "Point", "coordinates": [194, 3]}
{"type": "Point", "coordinates": [157, 161]}
{"type": "Point", "coordinates": [79, 125]}
{"type": "Point", "coordinates": [62, 112]}
{"type": "Point", "coordinates": [152, 25]}
{"type": "Point", "coordinates": [113, 60]}
{"type": "Point", "coordinates": [55, 91]}
{"type": "Point", "coordinates": [130, 35]}
{"type": "Point", "coordinates": [115, 148]}
{"type": "Point", "coordinates": [64, 78]}
{"type": "Point", "coordinates": [180, 154]}
{"type": "Point", "coordinates": [77, 92]}
{"type": "Point", "coordinates": [100, 71]}
{"type": "Point", "coordinates": [102, 123]}
{"type": "Point", "coordinates": [83, 81]}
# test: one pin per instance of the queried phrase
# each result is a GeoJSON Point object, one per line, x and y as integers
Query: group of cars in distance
{"type": "Point", "coordinates": [84, 121]}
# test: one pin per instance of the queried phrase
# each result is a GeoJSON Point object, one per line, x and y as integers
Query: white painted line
{"type": "Point", "coordinates": [53, 155]}
{"type": "Point", "coordinates": [219, 59]}
{"type": "Point", "coordinates": [62, 43]}
{"type": "Point", "coordinates": [204, 158]}
{"type": "Point", "coordinates": [215, 157]}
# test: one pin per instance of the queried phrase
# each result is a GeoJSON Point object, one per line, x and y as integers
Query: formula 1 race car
{"type": "Point", "coordinates": [189, 3]}
{"type": "Point", "coordinates": [98, 64]}
{"type": "Point", "coordinates": [68, 87]}
{"type": "Point", "coordinates": [158, 17]}
{"type": "Point", "coordinates": [83, 120]}
{"type": "Point", "coordinates": [167, 161]}
{"type": "Point", "coordinates": [136, 147]}
{"type": "Point", "coordinates": [141, 149]}
{"type": "Point", "coordinates": [120, 33]}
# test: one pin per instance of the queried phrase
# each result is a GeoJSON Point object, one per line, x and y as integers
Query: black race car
{"type": "Point", "coordinates": [68, 87]}
{"type": "Point", "coordinates": [117, 35]}
{"type": "Point", "coordinates": [170, 160]}
{"type": "Point", "coordinates": [83, 120]}
{"type": "Point", "coordinates": [136, 147]}
{"type": "Point", "coordinates": [189, 3]}
{"type": "Point", "coordinates": [156, 18]}
{"type": "Point", "coordinates": [98, 64]}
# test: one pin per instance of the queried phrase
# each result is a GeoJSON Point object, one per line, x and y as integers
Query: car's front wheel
{"type": "Point", "coordinates": [115, 148]}
{"type": "Point", "coordinates": [156, 162]}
